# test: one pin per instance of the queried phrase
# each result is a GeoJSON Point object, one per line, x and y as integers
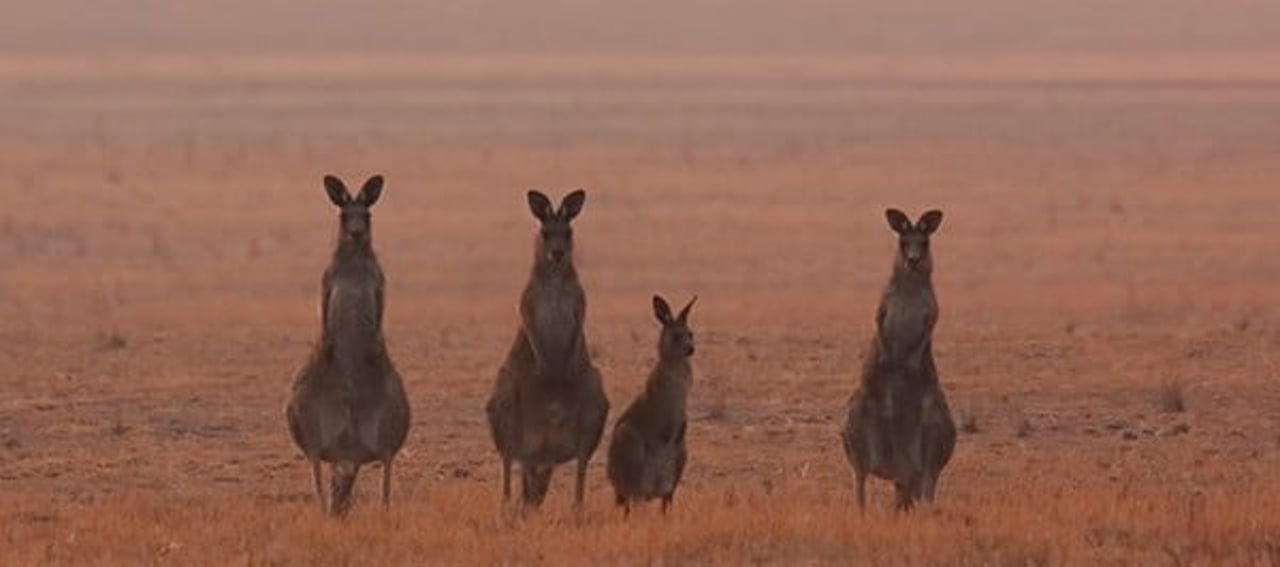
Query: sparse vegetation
{"type": "Point", "coordinates": [113, 341]}
{"type": "Point", "coordinates": [1023, 428]}
{"type": "Point", "coordinates": [1172, 397]}
{"type": "Point", "coordinates": [118, 426]}
{"type": "Point", "coordinates": [716, 400]}
{"type": "Point", "coordinates": [1243, 323]}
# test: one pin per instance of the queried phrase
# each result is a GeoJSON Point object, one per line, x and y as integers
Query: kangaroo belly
{"type": "Point", "coordinates": [660, 470]}
{"type": "Point", "coordinates": [366, 435]}
{"type": "Point", "coordinates": [351, 420]}
{"type": "Point", "coordinates": [552, 445]}
{"type": "Point", "coordinates": [344, 442]}
{"type": "Point", "coordinates": [885, 431]}
{"type": "Point", "coordinates": [549, 432]}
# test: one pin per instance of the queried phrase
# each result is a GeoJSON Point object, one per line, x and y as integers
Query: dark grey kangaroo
{"type": "Point", "coordinates": [647, 451]}
{"type": "Point", "coordinates": [548, 405]}
{"type": "Point", "coordinates": [348, 406]}
{"type": "Point", "coordinates": [899, 427]}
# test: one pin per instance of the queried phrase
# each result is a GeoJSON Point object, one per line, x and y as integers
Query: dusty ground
{"type": "Point", "coordinates": [1109, 243]}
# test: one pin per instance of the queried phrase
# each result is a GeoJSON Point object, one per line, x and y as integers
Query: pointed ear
{"type": "Point", "coordinates": [371, 191]}
{"type": "Point", "coordinates": [661, 310]}
{"type": "Point", "coordinates": [337, 190]}
{"type": "Point", "coordinates": [540, 205]}
{"type": "Point", "coordinates": [898, 221]}
{"type": "Point", "coordinates": [572, 203]}
{"type": "Point", "coordinates": [930, 221]}
{"type": "Point", "coordinates": [683, 317]}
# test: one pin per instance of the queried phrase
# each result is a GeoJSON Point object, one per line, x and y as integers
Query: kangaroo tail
{"type": "Point", "coordinates": [344, 481]}
{"type": "Point", "coordinates": [535, 481]}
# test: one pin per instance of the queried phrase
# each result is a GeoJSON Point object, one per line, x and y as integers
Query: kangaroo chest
{"type": "Point", "coordinates": [663, 406]}
{"type": "Point", "coordinates": [555, 316]}
{"type": "Point", "coordinates": [661, 420]}
{"type": "Point", "coordinates": [353, 314]}
{"type": "Point", "coordinates": [908, 321]}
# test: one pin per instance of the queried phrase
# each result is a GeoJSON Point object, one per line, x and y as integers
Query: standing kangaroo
{"type": "Point", "coordinates": [647, 451]}
{"type": "Point", "coordinates": [899, 427]}
{"type": "Point", "coordinates": [348, 406]}
{"type": "Point", "coordinates": [548, 405]}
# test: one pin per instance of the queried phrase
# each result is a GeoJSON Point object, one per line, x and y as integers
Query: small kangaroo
{"type": "Point", "coordinates": [647, 451]}
{"type": "Point", "coordinates": [348, 406]}
{"type": "Point", "coordinates": [899, 427]}
{"type": "Point", "coordinates": [548, 405]}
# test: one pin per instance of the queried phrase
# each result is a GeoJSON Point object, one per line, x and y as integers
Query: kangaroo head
{"type": "Point", "coordinates": [354, 224]}
{"type": "Point", "coordinates": [676, 340]}
{"type": "Point", "coordinates": [913, 239]}
{"type": "Point", "coordinates": [555, 239]}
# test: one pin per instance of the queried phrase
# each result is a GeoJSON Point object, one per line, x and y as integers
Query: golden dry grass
{"type": "Point", "coordinates": [162, 248]}
{"type": "Point", "coordinates": [454, 525]}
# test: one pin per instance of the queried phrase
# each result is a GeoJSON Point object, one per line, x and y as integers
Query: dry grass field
{"type": "Point", "coordinates": [1107, 273]}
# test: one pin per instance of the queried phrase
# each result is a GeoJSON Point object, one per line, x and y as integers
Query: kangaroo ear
{"type": "Point", "coordinates": [683, 317]}
{"type": "Point", "coordinates": [371, 191]}
{"type": "Point", "coordinates": [572, 203]}
{"type": "Point", "coordinates": [661, 310]}
{"type": "Point", "coordinates": [930, 221]}
{"type": "Point", "coordinates": [337, 191]}
{"type": "Point", "coordinates": [540, 205]}
{"type": "Point", "coordinates": [898, 221]}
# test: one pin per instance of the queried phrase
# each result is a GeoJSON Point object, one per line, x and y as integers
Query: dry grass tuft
{"type": "Point", "coordinates": [1172, 396]}
{"type": "Point", "coordinates": [113, 341]}
{"type": "Point", "coordinates": [1023, 429]}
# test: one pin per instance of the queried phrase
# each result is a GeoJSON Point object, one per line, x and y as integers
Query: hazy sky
{"type": "Point", "coordinates": [653, 26]}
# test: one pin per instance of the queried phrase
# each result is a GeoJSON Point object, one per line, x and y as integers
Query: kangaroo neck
{"type": "Point", "coordinates": [671, 378]}
{"type": "Point", "coordinates": [545, 270]}
{"type": "Point", "coordinates": [350, 252]}
{"type": "Point", "coordinates": [910, 279]}
{"type": "Point", "coordinates": [674, 369]}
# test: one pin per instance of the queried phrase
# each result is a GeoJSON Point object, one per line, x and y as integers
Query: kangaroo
{"type": "Point", "coordinates": [899, 426]}
{"type": "Point", "coordinates": [548, 405]}
{"type": "Point", "coordinates": [348, 407]}
{"type": "Point", "coordinates": [647, 451]}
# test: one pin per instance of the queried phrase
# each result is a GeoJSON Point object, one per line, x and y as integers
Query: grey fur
{"type": "Point", "coordinates": [647, 451]}
{"type": "Point", "coordinates": [548, 405]}
{"type": "Point", "coordinates": [899, 427]}
{"type": "Point", "coordinates": [348, 406]}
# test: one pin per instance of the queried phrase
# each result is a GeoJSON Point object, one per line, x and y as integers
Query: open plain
{"type": "Point", "coordinates": [1106, 270]}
